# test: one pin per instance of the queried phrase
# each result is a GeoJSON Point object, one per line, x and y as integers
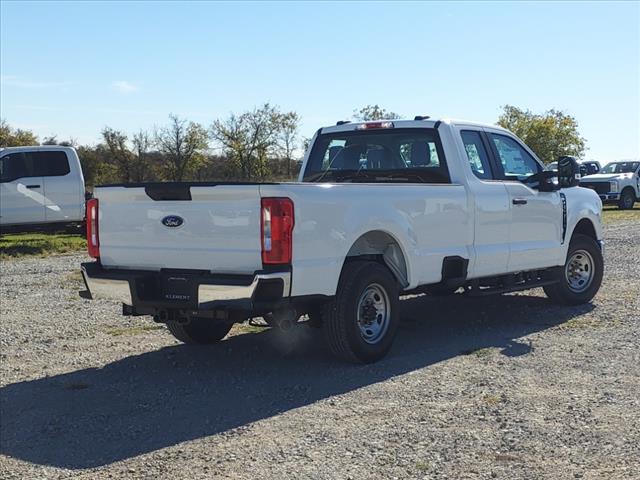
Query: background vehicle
{"type": "Point", "coordinates": [40, 187]}
{"type": "Point", "coordinates": [380, 208]}
{"type": "Point", "coordinates": [617, 182]}
{"type": "Point", "coordinates": [587, 167]}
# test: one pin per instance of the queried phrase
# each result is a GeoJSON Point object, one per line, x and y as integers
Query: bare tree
{"type": "Point", "coordinates": [248, 139]}
{"type": "Point", "coordinates": [53, 140]}
{"type": "Point", "coordinates": [142, 142]}
{"type": "Point", "coordinates": [374, 112]}
{"type": "Point", "coordinates": [289, 123]}
{"type": "Point", "coordinates": [124, 159]}
{"type": "Point", "coordinates": [182, 144]}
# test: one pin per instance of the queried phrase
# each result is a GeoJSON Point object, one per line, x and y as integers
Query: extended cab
{"type": "Point", "coordinates": [40, 187]}
{"type": "Point", "coordinates": [617, 182]}
{"type": "Point", "coordinates": [380, 209]}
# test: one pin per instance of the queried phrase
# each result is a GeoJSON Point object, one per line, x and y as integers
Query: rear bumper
{"type": "Point", "coordinates": [195, 290]}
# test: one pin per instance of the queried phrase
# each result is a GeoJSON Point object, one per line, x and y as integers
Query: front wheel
{"type": "Point", "coordinates": [580, 278]}
{"type": "Point", "coordinates": [199, 331]}
{"type": "Point", "coordinates": [627, 199]}
{"type": "Point", "coordinates": [361, 322]}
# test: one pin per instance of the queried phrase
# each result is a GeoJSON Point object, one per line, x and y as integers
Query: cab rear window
{"type": "Point", "coordinates": [412, 155]}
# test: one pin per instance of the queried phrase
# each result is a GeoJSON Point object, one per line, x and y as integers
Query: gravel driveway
{"type": "Point", "coordinates": [509, 387]}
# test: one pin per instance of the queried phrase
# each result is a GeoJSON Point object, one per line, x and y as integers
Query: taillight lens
{"type": "Point", "coordinates": [277, 230]}
{"type": "Point", "coordinates": [93, 240]}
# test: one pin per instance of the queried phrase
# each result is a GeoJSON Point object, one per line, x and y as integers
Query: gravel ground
{"type": "Point", "coordinates": [509, 387]}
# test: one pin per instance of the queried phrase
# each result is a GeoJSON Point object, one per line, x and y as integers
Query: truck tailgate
{"type": "Point", "coordinates": [218, 229]}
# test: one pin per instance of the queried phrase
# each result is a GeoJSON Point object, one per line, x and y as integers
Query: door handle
{"type": "Point", "coordinates": [519, 201]}
{"type": "Point", "coordinates": [33, 186]}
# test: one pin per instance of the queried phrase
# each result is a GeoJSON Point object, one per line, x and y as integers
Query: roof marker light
{"type": "Point", "coordinates": [372, 125]}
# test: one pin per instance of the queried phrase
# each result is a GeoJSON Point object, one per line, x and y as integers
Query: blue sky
{"type": "Point", "coordinates": [72, 68]}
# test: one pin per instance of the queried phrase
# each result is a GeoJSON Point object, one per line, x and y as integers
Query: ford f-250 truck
{"type": "Point", "coordinates": [380, 209]}
{"type": "Point", "coordinates": [617, 182]}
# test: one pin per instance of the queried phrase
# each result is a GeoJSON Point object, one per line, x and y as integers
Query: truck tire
{"type": "Point", "coordinates": [627, 199]}
{"type": "Point", "coordinates": [580, 278]}
{"type": "Point", "coordinates": [199, 331]}
{"type": "Point", "coordinates": [361, 322]}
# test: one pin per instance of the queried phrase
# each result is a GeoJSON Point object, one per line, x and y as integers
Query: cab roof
{"type": "Point", "coordinates": [36, 148]}
{"type": "Point", "coordinates": [406, 123]}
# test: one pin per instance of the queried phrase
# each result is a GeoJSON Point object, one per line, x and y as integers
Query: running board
{"type": "Point", "coordinates": [482, 292]}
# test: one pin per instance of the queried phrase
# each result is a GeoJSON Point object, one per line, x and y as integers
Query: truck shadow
{"type": "Point", "coordinates": [93, 417]}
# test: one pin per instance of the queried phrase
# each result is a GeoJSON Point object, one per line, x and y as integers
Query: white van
{"type": "Point", "coordinates": [40, 187]}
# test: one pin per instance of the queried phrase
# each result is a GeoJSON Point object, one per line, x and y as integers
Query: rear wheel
{"type": "Point", "coordinates": [361, 322]}
{"type": "Point", "coordinates": [199, 331]}
{"type": "Point", "coordinates": [627, 199]}
{"type": "Point", "coordinates": [580, 278]}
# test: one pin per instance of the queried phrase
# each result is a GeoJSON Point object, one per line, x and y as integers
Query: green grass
{"type": "Point", "coordinates": [612, 214]}
{"type": "Point", "coordinates": [39, 244]}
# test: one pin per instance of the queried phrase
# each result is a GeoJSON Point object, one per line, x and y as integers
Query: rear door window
{"type": "Point", "coordinates": [49, 164]}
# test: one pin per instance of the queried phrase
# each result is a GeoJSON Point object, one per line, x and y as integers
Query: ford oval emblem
{"type": "Point", "coordinates": [172, 221]}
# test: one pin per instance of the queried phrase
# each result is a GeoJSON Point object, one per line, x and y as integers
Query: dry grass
{"type": "Point", "coordinates": [612, 214]}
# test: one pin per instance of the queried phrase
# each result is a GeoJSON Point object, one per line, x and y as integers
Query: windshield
{"type": "Point", "coordinates": [396, 155]}
{"type": "Point", "coordinates": [620, 167]}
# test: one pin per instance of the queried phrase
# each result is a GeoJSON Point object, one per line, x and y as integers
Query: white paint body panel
{"type": "Point", "coordinates": [470, 218]}
{"type": "Point", "coordinates": [221, 230]}
{"type": "Point", "coordinates": [21, 203]}
{"type": "Point", "coordinates": [429, 222]}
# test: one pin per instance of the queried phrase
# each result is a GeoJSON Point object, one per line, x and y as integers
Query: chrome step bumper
{"type": "Point", "coordinates": [202, 291]}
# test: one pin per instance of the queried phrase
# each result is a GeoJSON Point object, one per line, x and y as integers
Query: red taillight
{"type": "Point", "coordinates": [276, 226]}
{"type": "Point", "coordinates": [93, 240]}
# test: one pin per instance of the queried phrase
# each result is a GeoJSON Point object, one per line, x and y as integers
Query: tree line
{"type": "Point", "coordinates": [257, 145]}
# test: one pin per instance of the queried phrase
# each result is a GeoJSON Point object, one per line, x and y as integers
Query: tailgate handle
{"type": "Point", "coordinates": [168, 191]}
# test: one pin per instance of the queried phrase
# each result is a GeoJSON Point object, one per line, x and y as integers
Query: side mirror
{"type": "Point", "coordinates": [544, 181]}
{"type": "Point", "coordinates": [568, 172]}
{"type": "Point", "coordinates": [547, 181]}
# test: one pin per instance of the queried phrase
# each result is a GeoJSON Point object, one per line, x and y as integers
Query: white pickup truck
{"type": "Point", "coordinates": [617, 182]}
{"type": "Point", "coordinates": [381, 209]}
{"type": "Point", "coordinates": [40, 187]}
